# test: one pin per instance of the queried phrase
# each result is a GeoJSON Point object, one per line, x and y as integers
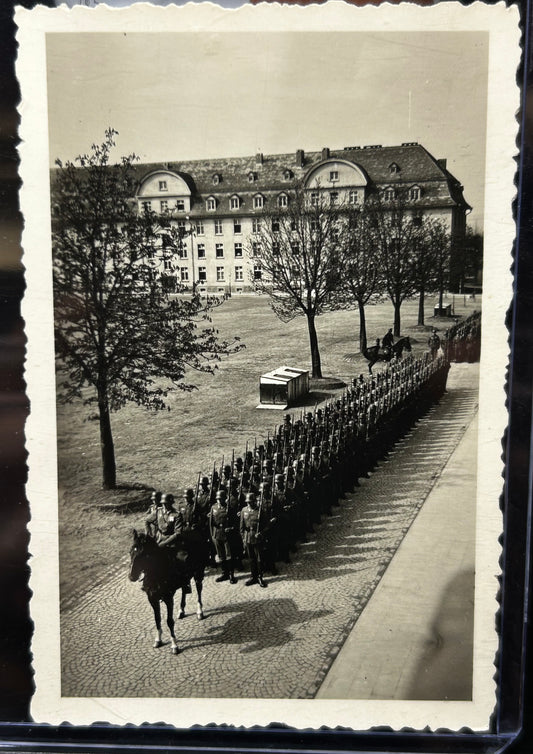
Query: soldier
{"type": "Point", "coordinates": [168, 522]}
{"type": "Point", "coordinates": [188, 519]}
{"type": "Point", "coordinates": [203, 506]}
{"type": "Point", "coordinates": [221, 525]}
{"type": "Point", "coordinates": [150, 523]}
{"type": "Point", "coordinates": [434, 343]}
{"type": "Point", "coordinates": [388, 341]}
{"type": "Point", "coordinates": [252, 528]}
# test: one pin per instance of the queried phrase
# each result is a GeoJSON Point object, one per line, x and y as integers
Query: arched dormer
{"type": "Point", "coordinates": [341, 176]}
{"type": "Point", "coordinates": [252, 177]}
{"type": "Point", "coordinates": [283, 200]}
{"type": "Point", "coordinates": [288, 175]}
{"type": "Point", "coordinates": [216, 179]}
{"type": "Point", "coordinates": [414, 193]}
{"type": "Point", "coordinates": [163, 191]}
{"type": "Point", "coordinates": [394, 168]}
{"type": "Point", "coordinates": [211, 203]}
{"type": "Point", "coordinates": [234, 201]}
{"type": "Point", "coordinates": [258, 201]}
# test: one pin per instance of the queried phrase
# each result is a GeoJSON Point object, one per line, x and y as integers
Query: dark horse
{"type": "Point", "coordinates": [165, 570]}
{"type": "Point", "coordinates": [375, 354]}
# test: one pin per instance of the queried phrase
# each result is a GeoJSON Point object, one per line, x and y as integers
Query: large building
{"type": "Point", "coordinates": [219, 203]}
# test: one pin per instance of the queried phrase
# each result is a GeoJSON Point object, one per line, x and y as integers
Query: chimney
{"type": "Point", "coordinates": [442, 163]}
{"type": "Point", "coordinates": [325, 153]}
{"type": "Point", "coordinates": [300, 158]}
{"type": "Point", "coordinates": [259, 158]}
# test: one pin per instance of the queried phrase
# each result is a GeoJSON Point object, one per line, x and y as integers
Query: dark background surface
{"type": "Point", "coordinates": [16, 682]}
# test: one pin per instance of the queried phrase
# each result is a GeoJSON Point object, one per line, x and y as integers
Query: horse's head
{"type": "Point", "coordinates": [407, 344]}
{"type": "Point", "coordinates": [140, 551]}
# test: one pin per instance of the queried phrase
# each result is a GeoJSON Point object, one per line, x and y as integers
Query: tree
{"type": "Point", "coordinates": [117, 329]}
{"type": "Point", "coordinates": [431, 254]}
{"type": "Point", "coordinates": [398, 235]}
{"type": "Point", "coordinates": [298, 258]}
{"type": "Point", "coordinates": [361, 271]}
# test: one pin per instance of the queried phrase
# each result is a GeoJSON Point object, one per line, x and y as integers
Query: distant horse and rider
{"type": "Point", "coordinates": [386, 350]}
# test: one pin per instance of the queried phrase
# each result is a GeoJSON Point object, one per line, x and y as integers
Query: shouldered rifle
{"type": "Point", "coordinates": [197, 492]}
{"type": "Point", "coordinates": [259, 515]}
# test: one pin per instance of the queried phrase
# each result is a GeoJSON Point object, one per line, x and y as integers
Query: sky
{"type": "Point", "coordinates": [181, 96]}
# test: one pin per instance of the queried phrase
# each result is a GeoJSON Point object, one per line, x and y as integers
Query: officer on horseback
{"type": "Point", "coordinates": [388, 341]}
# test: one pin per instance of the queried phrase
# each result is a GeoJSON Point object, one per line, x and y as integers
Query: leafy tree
{"type": "Point", "coordinates": [118, 331]}
{"type": "Point", "coordinates": [298, 258]}
{"type": "Point", "coordinates": [431, 254]}
{"type": "Point", "coordinates": [361, 271]}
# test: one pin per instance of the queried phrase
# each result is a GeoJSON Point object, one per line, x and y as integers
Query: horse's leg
{"type": "Point", "coordinates": [157, 616]}
{"type": "Point", "coordinates": [181, 613]}
{"type": "Point", "coordinates": [198, 582]}
{"type": "Point", "coordinates": [170, 623]}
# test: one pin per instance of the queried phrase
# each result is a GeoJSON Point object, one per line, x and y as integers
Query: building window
{"type": "Point", "coordinates": [275, 249]}
{"type": "Point", "coordinates": [256, 225]}
{"type": "Point", "coordinates": [295, 247]}
{"type": "Point", "coordinates": [218, 227]}
{"type": "Point", "coordinates": [258, 201]}
{"type": "Point", "coordinates": [275, 226]}
{"type": "Point", "coordinates": [200, 228]}
{"type": "Point", "coordinates": [216, 179]}
{"type": "Point", "coordinates": [167, 264]}
{"type": "Point", "coordinates": [163, 186]}
{"type": "Point", "coordinates": [389, 194]}
{"type": "Point", "coordinates": [237, 227]}
{"type": "Point", "coordinates": [294, 226]}
{"type": "Point", "coordinates": [202, 274]}
{"type": "Point", "coordinates": [219, 250]}
{"type": "Point", "coordinates": [352, 197]}
{"type": "Point", "coordinates": [257, 272]}
{"type": "Point", "coordinates": [234, 202]}
{"type": "Point", "coordinates": [220, 274]}
{"type": "Point", "coordinates": [334, 197]}
{"type": "Point", "coordinates": [238, 274]}
{"type": "Point", "coordinates": [147, 206]}
{"type": "Point", "coordinates": [184, 274]}
{"type": "Point", "coordinates": [417, 221]}
{"type": "Point", "coordinates": [314, 199]}
{"type": "Point", "coordinates": [180, 205]}
{"type": "Point", "coordinates": [251, 177]}
{"type": "Point", "coordinates": [414, 193]}
{"type": "Point", "coordinates": [333, 175]}
{"type": "Point", "coordinates": [164, 205]}
{"type": "Point", "coordinates": [394, 168]}
{"type": "Point", "coordinates": [238, 249]}
{"type": "Point", "coordinates": [287, 174]}
{"type": "Point", "coordinates": [283, 200]}
{"type": "Point", "coordinates": [314, 225]}
{"type": "Point", "coordinates": [201, 251]}
{"type": "Point", "coordinates": [256, 249]}
{"type": "Point", "coordinates": [211, 204]}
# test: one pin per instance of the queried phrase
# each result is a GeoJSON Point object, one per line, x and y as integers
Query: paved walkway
{"type": "Point", "coordinates": [278, 642]}
{"type": "Point", "coordinates": [414, 639]}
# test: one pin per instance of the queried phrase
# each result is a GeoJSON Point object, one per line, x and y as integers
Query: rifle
{"type": "Point", "coordinates": [197, 491]}
{"type": "Point", "coordinates": [259, 516]}
{"type": "Point", "coordinates": [212, 490]}
{"type": "Point", "coordinates": [221, 472]}
{"type": "Point", "coordinates": [232, 460]}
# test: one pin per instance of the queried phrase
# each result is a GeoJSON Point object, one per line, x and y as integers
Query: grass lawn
{"type": "Point", "coordinates": [166, 450]}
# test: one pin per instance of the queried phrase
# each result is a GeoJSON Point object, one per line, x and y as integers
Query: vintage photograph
{"type": "Point", "coordinates": [273, 274]}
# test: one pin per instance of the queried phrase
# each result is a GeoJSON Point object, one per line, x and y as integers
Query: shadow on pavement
{"type": "Point", "coordinates": [256, 625]}
{"type": "Point", "coordinates": [445, 669]}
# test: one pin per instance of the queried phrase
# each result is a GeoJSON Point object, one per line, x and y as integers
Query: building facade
{"type": "Point", "coordinates": [219, 204]}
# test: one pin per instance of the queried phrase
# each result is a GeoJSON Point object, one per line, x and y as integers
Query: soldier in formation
{"type": "Point", "coordinates": [267, 501]}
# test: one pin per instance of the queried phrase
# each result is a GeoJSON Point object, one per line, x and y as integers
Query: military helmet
{"type": "Point", "coordinates": [315, 449]}
{"type": "Point", "coordinates": [167, 499]}
{"type": "Point", "coordinates": [287, 418]}
{"type": "Point", "coordinates": [279, 478]}
{"type": "Point", "coordinates": [227, 469]}
{"type": "Point", "coordinates": [189, 493]}
{"type": "Point", "coordinates": [155, 496]}
{"type": "Point", "coordinates": [205, 481]}
{"type": "Point", "coordinates": [221, 495]}
{"type": "Point", "coordinates": [250, 497]}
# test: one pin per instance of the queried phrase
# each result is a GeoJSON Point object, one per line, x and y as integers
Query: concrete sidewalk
{"type": "Point", "coordinates": [414, 639]}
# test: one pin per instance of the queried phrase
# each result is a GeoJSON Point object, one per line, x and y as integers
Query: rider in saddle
{"type": "Point", "coordinates": [388, 341]}
{"type": "Point", "coordinates": [150, 523]}
{"type": "Point", "coordinates": [170, 528]}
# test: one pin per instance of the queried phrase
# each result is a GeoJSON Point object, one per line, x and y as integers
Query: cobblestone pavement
{"type": "Point", "coordinates": [277, 642]}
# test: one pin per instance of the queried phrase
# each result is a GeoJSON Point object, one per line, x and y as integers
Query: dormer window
{"type": "Point", "coordinates": [259, 201]}
{"type": "Point", "coordinates": [252, 176]}
{"type": "Point", "coordinates": [217, 178]}
{"type": "Point", "coordinates": [163, 186]}
{"type": "Point", "coordinates": [211, 204]}
{"type": "Point", "coordinates": [283, 200]}
{"type": "Point", "coordinates": [234, 202]}
{"type": "Point", "coordinates": [414, 193]}
{"type": "Point", "coordinates": [287, 174]}
{"type": "Point", "coordinates": [389, 194]}
{"type": "Point", "coordinates": [333, 175]}
{"type": "Point", "coordinates": [394, 168]}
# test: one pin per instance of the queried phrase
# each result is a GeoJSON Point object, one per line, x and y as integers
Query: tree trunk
{"type": "Point", "coordinates": [421, 307]}
{"type": "Point", "coordinates": [362, 327]}
{"type": "Point", "coordinates": [107, 447]}
{"type": "Point", "coordinates": [313, 341]}
{"type": "Point", "coordinates": [397, 304]}
{"type": "Point", "coordinates": [441, 295]}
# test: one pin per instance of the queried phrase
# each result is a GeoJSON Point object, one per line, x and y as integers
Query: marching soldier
{"type": "Point", "coordinates": [252, 532]}
{"type": "Point", "coordinates": [150, 523]}
{"type": "Point", "coordinates": [221, 525]}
